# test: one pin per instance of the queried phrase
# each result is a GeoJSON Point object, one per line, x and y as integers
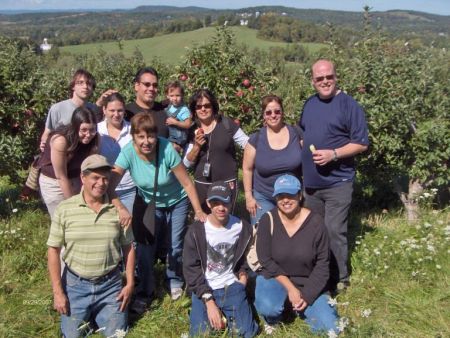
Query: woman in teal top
{"type": "Point", "coordinates": [174, 188]}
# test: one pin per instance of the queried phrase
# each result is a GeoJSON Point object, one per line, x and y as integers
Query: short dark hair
{"type": "Point", "coordinates": [81, 73]}
{"type": "Point", "coordinates": [207, 94]}
{"type": "Point", "coordinates": [270, 98]}
{"type": "Point", "coordinates": [142, 71]}
{"type": "Point", "coordinates": [174, 85]}
{"type": "Point", "coordinates": [143, 121]}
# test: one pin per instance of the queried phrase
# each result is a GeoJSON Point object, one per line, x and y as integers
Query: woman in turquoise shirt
{"type": "Point", "coordinates": [174, 188]}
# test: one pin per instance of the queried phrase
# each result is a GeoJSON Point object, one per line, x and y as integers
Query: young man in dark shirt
{"type": "Point", "coordinates": [215, 268]}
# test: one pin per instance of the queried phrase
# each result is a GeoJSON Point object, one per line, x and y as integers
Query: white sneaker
{"type": "Point", "coordinates": [268, 329]}
{"type": "Point", "coordinates": [176, 293]}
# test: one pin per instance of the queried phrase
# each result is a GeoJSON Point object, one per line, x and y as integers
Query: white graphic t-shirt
{"type": "Point", "coordinates": [220, 249]}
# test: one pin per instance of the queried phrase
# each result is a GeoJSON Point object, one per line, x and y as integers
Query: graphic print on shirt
{"type": "Point", "coordinates": [220, 257]}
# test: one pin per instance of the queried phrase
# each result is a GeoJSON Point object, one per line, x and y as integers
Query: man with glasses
{"type": "Point", "coordinates": [146, 88]}
{"type": "Point", "coordinates": [81, 88]}
{"type": "Point", "coordinates": [335, 130]}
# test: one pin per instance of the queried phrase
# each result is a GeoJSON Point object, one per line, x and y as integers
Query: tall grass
{"type": "Point", "coordinates": [399, 282]}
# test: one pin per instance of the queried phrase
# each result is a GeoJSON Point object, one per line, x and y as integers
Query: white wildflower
{"type": "Point", "coordinates": [430, 248]}
{"type": "Point", "coordinates": [13, 231]}
{"type": "Point", "coordinates": [357, 242]}
{"type": "Point", "coordinates": [14, 210]}
{"type": "Point", "coordinates": [414, 273]}
{"type": "Point", "coordinates": [119, 333]}
{"type": "Point", "coordinates": [385, 237]}
{"type": "Point", "coordinates": [427, 225]}
{"type": "Point", "coordinates": [332, 334]}
{"type": "Point", "coordinates": [184, 335]}
{"type": "Point", "coordinates": [376, 252]}
{"type": "Point", "coordinates": [427, 194]}
{"type": "Point", "coordinates": [366, 313]}
{"type": "Point", "coordinates": [332, 301]}
{"type": "Point", "coordinates": [386, 267]}
{"type": "Point", "coordinates": [342, 324]}
{"type": "Point", "coordinates": [434, 190]}
{"type": "Point", "coordinates": [438, 267]}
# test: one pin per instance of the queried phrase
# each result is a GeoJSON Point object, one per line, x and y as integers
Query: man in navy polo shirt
{"type": "Point", "coordinates": [335, 130]}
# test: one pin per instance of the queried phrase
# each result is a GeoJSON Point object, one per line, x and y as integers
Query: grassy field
{"type": "Point", "coordinates": [170, 48]}
{"type": "Point", "coordinates": [399, 283]}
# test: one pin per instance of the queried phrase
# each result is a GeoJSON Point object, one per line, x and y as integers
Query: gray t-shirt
{"type": "Point", "coordinates": [61, 113]}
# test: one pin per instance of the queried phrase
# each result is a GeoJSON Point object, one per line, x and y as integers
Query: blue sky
{"type": "Point", "coordinates": [431, 6]}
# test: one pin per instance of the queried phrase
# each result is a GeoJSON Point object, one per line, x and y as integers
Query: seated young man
{"type": "Point", "coordinates": [215, 268]}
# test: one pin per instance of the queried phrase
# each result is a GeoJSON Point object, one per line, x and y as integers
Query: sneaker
{"type": "Point", "coordinates": [268, 329]}
{"type": "Point", "coordinates": [176, 293]}
{"type": "Point", "coordinates": [138, 306]}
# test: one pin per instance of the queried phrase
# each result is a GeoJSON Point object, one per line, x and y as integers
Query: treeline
{"type": "Point", "coordinates": [273, 22]}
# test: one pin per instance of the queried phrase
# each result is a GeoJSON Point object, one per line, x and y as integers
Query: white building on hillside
{"type": "Point", "coordinates": [45, 46]}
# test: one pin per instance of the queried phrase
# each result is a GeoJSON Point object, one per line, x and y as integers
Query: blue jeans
{"type": "Point", "coordinates": [169, 234]}
{"type": "Point", "coordinates": [127, 197]}
{"type": "Point", "coordinates": [232, 301]}
{"type": "Point", "coordinates": [270, 297]}
{"type": "Point", "coordinates": [265, 205]}
{"type": "Point", "coordinates": [93, 301]}
{"type": "Point", "coordinates": [333, 204]}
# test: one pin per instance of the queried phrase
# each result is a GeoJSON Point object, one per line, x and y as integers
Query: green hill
{"type": "Point", "coordinates": [171, 47]}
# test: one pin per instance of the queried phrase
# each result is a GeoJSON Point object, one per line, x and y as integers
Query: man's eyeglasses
{"type": "Point", "coordinates": [270, 112]}
{"type": "Point", "coordinates": [150, 84]}
{"type": "Point", "coordinates": [321, 78]}
{"type": "Point", "coordinates": [81, 83]}
{"type": "Point", "coordinates": [200, 106]}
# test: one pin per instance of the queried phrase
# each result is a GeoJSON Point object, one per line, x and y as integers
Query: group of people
{"type": "Point", "coordinates": [114, 178]}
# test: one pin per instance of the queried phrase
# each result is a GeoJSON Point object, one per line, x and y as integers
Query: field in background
{"type": "Point", "coordinates": [170, 48]}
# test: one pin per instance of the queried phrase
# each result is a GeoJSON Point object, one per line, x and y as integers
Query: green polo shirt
{"type": "Point", "coordinates": [92, 240]}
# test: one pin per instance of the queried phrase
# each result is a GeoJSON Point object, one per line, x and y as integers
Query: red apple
{"type": "Point", "coordinates": [246, 83]}
{"type": "Point", "coordinates": [237, 122]}
{"type": "Point", "coordinates": [183, 77]}
{"type": "Point", "coordinates": [240, 93]}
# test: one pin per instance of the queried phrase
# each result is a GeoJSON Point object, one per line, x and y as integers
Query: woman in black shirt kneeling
{"type": "Point", "coordinates": [293, 250]}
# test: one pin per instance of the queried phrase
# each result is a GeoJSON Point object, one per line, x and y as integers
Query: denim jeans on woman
{"type": "Point", "coordinates": [265, 205]}
{"type": "Point", "coordinates": [270, 297]}
{"type": "Point", "coordinates": [170, 229]}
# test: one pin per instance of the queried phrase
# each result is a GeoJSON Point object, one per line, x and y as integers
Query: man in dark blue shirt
{"type": "Point", "coordinates": [335, 130]}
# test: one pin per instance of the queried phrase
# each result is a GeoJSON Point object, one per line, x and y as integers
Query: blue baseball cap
{"type": "Point", "coordinates": [219, 191]}
{"type": "Point", "coordinates": [286, 184]}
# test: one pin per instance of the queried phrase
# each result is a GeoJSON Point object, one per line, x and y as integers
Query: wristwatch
{"type": "Point", "coordinates": [207, 297]}
{"type": "Point", "coordinates": [335, 158]}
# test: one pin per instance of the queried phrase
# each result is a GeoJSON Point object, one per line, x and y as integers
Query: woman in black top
{"type": "Point", "coordinates": [293, 250]}
{"type": "Point", "coordinates": [211, 149]}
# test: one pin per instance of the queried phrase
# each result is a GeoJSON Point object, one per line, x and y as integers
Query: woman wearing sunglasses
{"type": "Point", "coordinates": [278, 153]}
{"type": "Point", "coordinates": [211, 151]}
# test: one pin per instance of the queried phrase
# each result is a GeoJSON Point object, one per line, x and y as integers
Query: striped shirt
{"type": "Point", "coordinates": [92, 240]}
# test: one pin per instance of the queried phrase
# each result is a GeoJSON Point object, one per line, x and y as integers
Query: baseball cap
{"type": "Point", "coordinates": [94, 162]}
{"type": "Point", "coordinates": [286, 184]}
{"type": "Point", "coordinates": [219, 191]}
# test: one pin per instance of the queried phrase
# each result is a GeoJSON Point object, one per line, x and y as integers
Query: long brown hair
{"type": "Point", "coordinates": [72, 130]}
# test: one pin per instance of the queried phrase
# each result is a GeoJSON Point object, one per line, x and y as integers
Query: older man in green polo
{"type": "Point", "coordinates": [90, 287]}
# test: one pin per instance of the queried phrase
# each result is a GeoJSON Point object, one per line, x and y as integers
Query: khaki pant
{"type": "Point", "coordinates": [51, 191]}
